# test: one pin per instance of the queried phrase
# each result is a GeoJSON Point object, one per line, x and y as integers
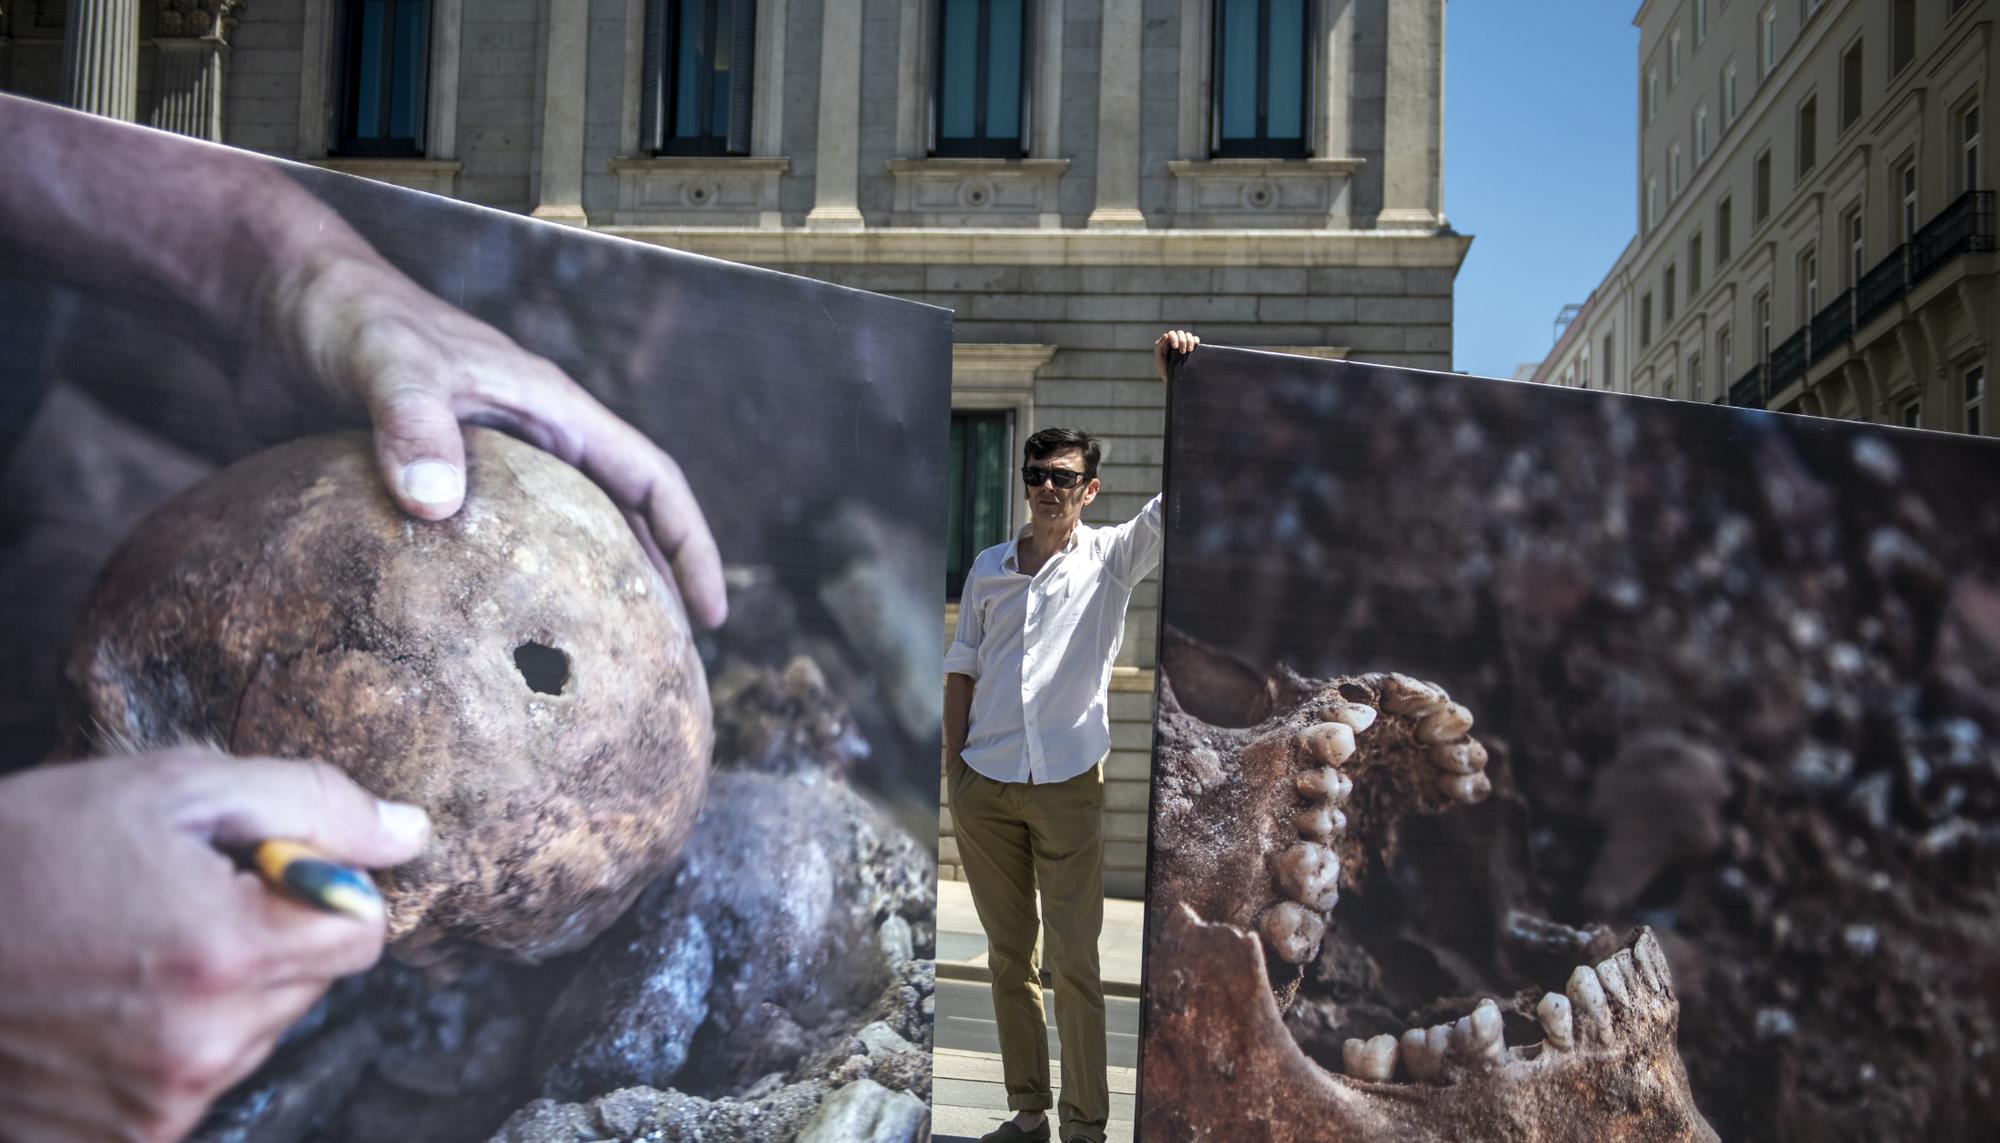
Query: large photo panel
{"type": "Point", "coordinates": [1543, 763]}
{"type": "Point", "coordinates": [682, 876]}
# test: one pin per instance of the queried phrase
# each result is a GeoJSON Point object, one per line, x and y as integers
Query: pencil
{"type": "Point", "coordinates": [305, 874]}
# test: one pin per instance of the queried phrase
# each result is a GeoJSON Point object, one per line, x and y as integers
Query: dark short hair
{"type": "Point", "coordinates": [1048, 442]}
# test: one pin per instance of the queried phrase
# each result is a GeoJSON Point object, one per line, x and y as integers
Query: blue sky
{"type": "Point", "coordinates": [1540, 138]}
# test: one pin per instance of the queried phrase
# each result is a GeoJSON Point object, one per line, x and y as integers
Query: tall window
{"type": "Point", "coordinates": [385, 56]}
{"type": "Point", "coordinates": [1583, 366]}
{"type": "Point", "coordinates": [1975, 400]}
{"type": "Point", "coordinates": [1808, 285]}
{"type": "Point", "coordinates": [1645, 320]}
{"type": "Point", "coordinates": [1652, 201]}
{"type": "Point", "coordinates": [977, 481]}
{"type": "Point", "coordinates": [1652, 93]}
{"type": "Point", "coordinates": [1913, 413]}
{"type": "Point", "coordinates": [1760, 196]}
{"type": "Point", "coordinates": [1722, 221]}
{"type": "Point", "coordinates": [1857, 264]}
{"type": "Point", "coordinates": [1761, 307]}
{"type": "Point", "coordinates": [1674, 171]}
{"type": "Point", "coordinates": [1808, 141]}
{"type": "Point", "coordinates": [1700, 22]}
{"type": "Point", "coordinates": [1906, 198]}
{"type": "Point", "coordinates": [1674, 59]}
{"type": "Point", "coordinates": [1667, 295]}
{"type": "Point", "coordinates": [1610, 368]}
{"type": "Point", "coordinates": [698, 62]}
{"type": "Point", "coordinates": [1729, 93]}
{"type": "Point", "coordinates": [1767, 42]}
{"type": "Point", "coordinates": [1850, 86]}
{"type": "Point", "coordinates": [1725, 355]}
{"type": "Point", "coordinates": [980, 55]}
{"type": "Point", "coordinates": [1261, 57]}
{"type": "Point", "coordinates": [1968, 147]}
{"type": "Point", "coordinates": [1694, 264]}
{"type": "Point", "coordinates": [1902, 34]}
{"type": "Point", "coordinates": [1701, 134]}
{"type": "Point", "coordinates": [1696, 389]}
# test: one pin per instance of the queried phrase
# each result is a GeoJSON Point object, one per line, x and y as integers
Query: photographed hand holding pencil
{"type": "Point", "coordinates": [159, 970]}
{"type": "Point", "coordinates": [308, 875]}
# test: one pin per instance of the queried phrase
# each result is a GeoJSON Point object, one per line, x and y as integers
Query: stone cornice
{"type": "Point", "coordinates": [1031, 247]}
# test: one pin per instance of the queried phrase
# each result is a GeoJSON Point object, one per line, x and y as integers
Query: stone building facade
{"type": "Point", "coordinates": [1815, 214]}
{"type": "Point", "coordinates": [1069, 176]}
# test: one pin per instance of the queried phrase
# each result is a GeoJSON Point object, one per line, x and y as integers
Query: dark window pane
{"type": "Point", "coordinates": [976, 517]}
{"type": "Point", "coordinates": [1003, 70]}
{"type": "Point", "coordinates": [960, 75]}
{"type": "Point", "coordinates": [409, 79]}
{"type": "Point", "coordinates": [989, 487]}
{"type": "Point", "coordinates": [956, 559]}
{"type": "Point", "coordinates": [690, 67]}
{"type": "Point", "coordinates": [721, 49]}
{"type": "Point", "coordinates": [1286, 63]}
{"type": "Point", "coordinates": [1237, 86]}
{"type": "Point", "coordinates": [369, 71]}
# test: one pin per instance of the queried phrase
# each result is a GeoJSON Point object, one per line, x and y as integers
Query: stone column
{"type": "Point", "coordinates": [101, 58]}
{"type": "Point", "coordinates": [559, 197]}
{"type": "Point", "coordinates": [1118, 118]}
{"type": "Point", "coordinates": [1413, 116]}
{"type": "Point", "coordinates": [187, 78]}
{"type": "Point", "coordinates": [837, 159]}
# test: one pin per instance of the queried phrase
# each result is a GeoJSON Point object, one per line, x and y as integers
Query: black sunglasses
{"type": "Point", "coordinates": [1035, 474]}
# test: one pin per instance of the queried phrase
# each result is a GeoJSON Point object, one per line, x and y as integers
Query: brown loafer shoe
{"type": "Point", "coordinates": [1008, 1133]}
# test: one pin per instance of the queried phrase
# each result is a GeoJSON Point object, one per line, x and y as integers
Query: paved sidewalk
{"type": "Point", "coordinates": [968, 1096]}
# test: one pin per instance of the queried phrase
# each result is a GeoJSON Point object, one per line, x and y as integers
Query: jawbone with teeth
{"type": "Point", "coordinates": [1271, 797]}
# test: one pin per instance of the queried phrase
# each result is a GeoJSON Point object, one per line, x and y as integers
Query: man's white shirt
{"type": "Point", "coordinates": [1039, 649]}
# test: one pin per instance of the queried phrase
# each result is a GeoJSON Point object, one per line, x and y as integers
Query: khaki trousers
{"type": "Point", "coordinates": [1013, 836]}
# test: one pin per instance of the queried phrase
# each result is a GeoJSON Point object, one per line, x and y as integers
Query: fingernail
{"type": "Point", "coordinates": [404, 822]}
{"type": "Point", "coordinates": [433, 482]}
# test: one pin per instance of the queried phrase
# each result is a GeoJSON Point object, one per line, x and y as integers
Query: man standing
{"type": "Point", "coordinates": [1026, 734]}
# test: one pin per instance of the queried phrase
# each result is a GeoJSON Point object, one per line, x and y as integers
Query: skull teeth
{"type": "Point", "coordinates": [1329, 743]}
{"type": "Point", "coordinates": [1309, 873]}
{"type": "Point", "coordinates": [1422, 1051]}
{"type": "Point", "coordinates": [1373, 1059]}
{"type": "Point", "coordinates": [1444, 723]}
{"type": "Point", "coordinates": [1293, 931]}
{"type": "Point", "coordinates": [1469, 789]}
{"type": "Point", "coordinates": [1553, 1012]}
{"type": "Point", "coordinates": [1320, 823]}
{"type": "Point", "coordinates": [1467, 757]}
{"type": "Point", "coordinates": [1589, 1010]}
{"type": "Point", "coordinates": [1402, 694]}
{"type": "Point", "coordinates": [1652, 962]}
{"type": "Point", "coordinates": [1325, 783]}
{"type": "Point", "coordinates": [1478, 1038]}
{"type": "Point", "coordinates": [1353, 715]}
{"type": "Point", "coordinates": [1615, 974]}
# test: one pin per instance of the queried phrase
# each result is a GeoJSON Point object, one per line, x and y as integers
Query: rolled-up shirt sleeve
{"type": "Point", "coordinates": [963, 656]}
{"type": "Point", "coordinates": [1135, 545]}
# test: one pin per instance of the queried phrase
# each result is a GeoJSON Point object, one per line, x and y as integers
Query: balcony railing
{"type": "Point", "coordinates": [1748, 390]}
{"type": "Point", "coordinates": [1788, 361]}
{"type": "Point", "coordinates": [1964, 227]}
{"type": "Point", "coordinates": [1882, 286]}
{"type": "Point", "coordinates": [1833, 325]}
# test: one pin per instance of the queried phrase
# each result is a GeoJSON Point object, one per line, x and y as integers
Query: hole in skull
{"type": "Point", "coordinates": [545, 669]}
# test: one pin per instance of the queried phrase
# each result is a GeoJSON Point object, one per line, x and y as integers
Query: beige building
{"type": "Point", "coordinates": [1069, 176]}
{"type": "Point", "coordinates": [1815, 214]}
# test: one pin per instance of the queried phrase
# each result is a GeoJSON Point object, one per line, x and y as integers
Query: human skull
{"type": "Point", "coordinates": [519, 670]}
